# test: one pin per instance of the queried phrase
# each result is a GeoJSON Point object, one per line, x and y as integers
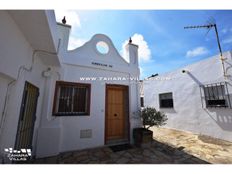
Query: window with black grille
{"type": "Point", "coordinates": [142, 101]}
{"type": "Point", "coordinates": [215, 95]}
{"type": "Point", "coordinates": [166, 100]}
{"type": "Point", "coordinates": [71, 99]}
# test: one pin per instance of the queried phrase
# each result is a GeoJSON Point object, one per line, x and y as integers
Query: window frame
{"type": "Point", "coordinates": [207, 89]}
{"type": "Point", "coordinates": [73, 84]}
{"type": "Point", "coordinates": [162, 107]}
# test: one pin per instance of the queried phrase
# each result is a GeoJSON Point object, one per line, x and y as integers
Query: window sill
{"type": "Point", "coordinates": [166, 107]}
{"type": "Point", "coordinates": [217, 106]}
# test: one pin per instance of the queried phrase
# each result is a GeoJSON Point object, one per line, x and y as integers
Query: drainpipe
{"type": "Point", "coordinates": [22, 67]}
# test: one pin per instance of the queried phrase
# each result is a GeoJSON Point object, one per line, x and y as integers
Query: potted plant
{"type": "Point", "coordinates": [149, 117]}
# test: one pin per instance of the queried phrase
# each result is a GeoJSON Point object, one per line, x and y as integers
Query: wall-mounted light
{"type": "Point", "coordinates": [185, 71]}
{"type": "Point", "coordinates": [47, 73]}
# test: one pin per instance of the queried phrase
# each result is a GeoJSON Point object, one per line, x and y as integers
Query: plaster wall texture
{"type": "Point", "coordinates": [188, 114]}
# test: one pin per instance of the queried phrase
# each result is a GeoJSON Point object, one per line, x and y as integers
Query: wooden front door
{"type": "Point", "coordinates": [116, 113]}
{"type": "Point", "coordinates": [27, 117]}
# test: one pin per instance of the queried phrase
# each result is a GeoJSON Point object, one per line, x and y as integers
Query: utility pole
{"type": "Point", "coordinates": [218, 41]}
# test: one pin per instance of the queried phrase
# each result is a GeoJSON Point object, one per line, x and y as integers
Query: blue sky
{"type": "Point", "coordinates": [164, 44]}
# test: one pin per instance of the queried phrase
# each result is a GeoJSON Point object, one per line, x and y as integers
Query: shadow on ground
{"type": "Point", "coordinates": [152, 153]}
{"type": "Point", "coordinates": [210, 149]}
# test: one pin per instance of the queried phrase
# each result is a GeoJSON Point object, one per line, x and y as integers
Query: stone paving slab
{"type": "Point", "coordinates": [155, 153]}
{"type": "Point", "coordinates": [168, 147]}
{"type": "Point", "coordinates": [207, 148]}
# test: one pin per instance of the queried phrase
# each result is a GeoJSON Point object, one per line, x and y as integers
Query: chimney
{"type": "Point", "coordinates": [63, 34]}
{"type": "Point", "coordinates": [132, 51]}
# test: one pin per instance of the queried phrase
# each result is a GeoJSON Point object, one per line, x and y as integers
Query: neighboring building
{"type": "Point", "coordinates": [196, 98]}
{"type": "Point", "coordinates": [54, 100]}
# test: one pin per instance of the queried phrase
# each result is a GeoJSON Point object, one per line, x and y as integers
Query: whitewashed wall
{"type": "Point", "coordinates": [16, 51]}
{"type": "Point", "coordinates": [188, 113]}
{"type": "Point", "coordinates": [53, 135]}
{"type": "Point", "coordinates": [60, 134]}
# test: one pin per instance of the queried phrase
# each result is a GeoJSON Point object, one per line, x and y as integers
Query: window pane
{"type": "Point", "coordinates": [167, 103]}
{"type": "Point", "coordinates": [71, 99]}
{"type": "Point", "coordinates": [80, 99]}
{"type": "Point", "coordinates": [217, 102]}
{"type": "Point", "coordinates": [215, 95]}
{"type": "Point", "coordinates": [215, 92]}
{"type": "Point", "coordinates": [166, 100]}
{"type": "Point", "coordinates": [166, 96]}
{"type": "Point", "coordinates": [142, 101]}
{"type": "Point", "coordinates": [65, 99]}
{"type": "Point", "coordinates": [61, 100]}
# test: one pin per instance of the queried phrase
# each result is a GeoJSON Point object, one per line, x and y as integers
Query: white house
{"type": "Point", "coordinates": [196, 98]}
{"type": "Point", "coordinates": [54, 100]}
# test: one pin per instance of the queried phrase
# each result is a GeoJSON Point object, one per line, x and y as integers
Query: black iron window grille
{"type": "Point", "coordinates": [71, 99]}
{"type": "Point", "coordinates": [166, 100]}
{"type": "Point", "coordinates": [216, 95]}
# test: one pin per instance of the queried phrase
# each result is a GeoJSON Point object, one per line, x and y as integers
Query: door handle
{"type": "Point", "coordinates": [115, 115]}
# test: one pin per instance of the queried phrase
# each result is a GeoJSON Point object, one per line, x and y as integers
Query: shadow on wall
{"type": "Point", "coordinates": [223, 117]}
{"type": "Point", "coordinates": [194, 78]}
{"type": "Point", "coordinates": [229, 81]}
{"type": "Point", "coordinates": [229, 73]}
{"type": "Point", "coordinates": [229, 66]}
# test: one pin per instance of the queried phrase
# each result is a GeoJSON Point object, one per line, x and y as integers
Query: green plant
{"type": "Point", "coordinates": [150, 117]}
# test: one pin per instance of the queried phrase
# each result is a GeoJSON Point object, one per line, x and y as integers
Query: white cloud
{"type": "Point", "coordinates": [144, 53]}
{"type": "Point", "coordinates": [197, 52]}
{"type": "Point", "coordinates": [71, 17]}
{"type": "Point", "coordinates": [228, 40]}
{"type": "Point", "coordinates": [74, 43]}
{"type": "Point", "coordinates": [141, 71]}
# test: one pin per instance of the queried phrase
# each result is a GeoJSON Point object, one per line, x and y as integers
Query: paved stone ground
{"type": "Point", "coordinates": [155, 153]}
{"type": "Point", "coordinates": [209, 149]}
{"type": "Point", "coordinates": [168, 147]}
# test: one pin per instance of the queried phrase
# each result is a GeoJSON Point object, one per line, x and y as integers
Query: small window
{"type": "Point", "coordinates": [142, 101]}
{"type": "Point", "coordinates": [215, 95]}
{"type": "Point", "coordinates": [166, 100]}
{"type": "Point", "coordinates": [71, 99]}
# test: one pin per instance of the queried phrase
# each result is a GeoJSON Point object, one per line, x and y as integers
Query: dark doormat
{"type": "Point", "coordinates": [121, 147]}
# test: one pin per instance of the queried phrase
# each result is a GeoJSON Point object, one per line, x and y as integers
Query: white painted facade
{"type": "Point", "coordinates": [188, 114]}
{"type": "Point", "coordinates": [81, 63]}
{"type": "Point", "coordinates": [21, 61]}
{"type": "Point", "coordinates": [34, 41]}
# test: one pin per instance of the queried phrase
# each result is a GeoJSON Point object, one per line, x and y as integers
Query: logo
{"type": "Point", "coordinates": [18, 155]}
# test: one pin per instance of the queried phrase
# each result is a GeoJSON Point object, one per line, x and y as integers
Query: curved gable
{"type": "Point", "coordinates": [88, 53]}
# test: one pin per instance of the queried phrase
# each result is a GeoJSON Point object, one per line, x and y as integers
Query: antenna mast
{"type": "Point", "coordinates": [218, 41]}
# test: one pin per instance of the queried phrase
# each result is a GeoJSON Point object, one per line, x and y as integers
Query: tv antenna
{"type": "Point", "coordinates": [209, 26]}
